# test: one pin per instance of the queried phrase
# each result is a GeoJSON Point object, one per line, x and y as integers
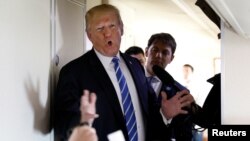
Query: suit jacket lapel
{"type": "Point", "coordinates": [136, 75]}
{"type": "Point", "coordinates": [107, 86]}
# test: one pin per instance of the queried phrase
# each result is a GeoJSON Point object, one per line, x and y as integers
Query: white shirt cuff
{"type": "Point", "coordinates": [165, 120]}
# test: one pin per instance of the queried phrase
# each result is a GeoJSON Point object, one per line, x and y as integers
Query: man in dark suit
{"type": "Point", "coordinates": [137, 52]}
{"type": "Point", "coordinates": [160, 51]}
{"type": "Point", "coordinates": [94, 71]}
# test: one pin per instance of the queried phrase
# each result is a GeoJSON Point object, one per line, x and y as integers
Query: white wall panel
{"type": "Point", "coordinates": [235, 78]}
{"type": "Point", "coordinates": [69, 31]}
{"type": "Point", "coordinates": [24, 70]}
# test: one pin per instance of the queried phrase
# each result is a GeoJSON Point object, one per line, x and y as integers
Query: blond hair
{"type": "Point", "coordinates": [99, 9]}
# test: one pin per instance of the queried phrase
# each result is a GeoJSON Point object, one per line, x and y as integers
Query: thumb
{"type": "Point", "coordinates": [164, 95]}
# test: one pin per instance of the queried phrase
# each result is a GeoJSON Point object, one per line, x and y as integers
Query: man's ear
{"type": "Point", "coordinates": [122, 30]}
{"type": "Point", "coordinates": [89, 35]}
{"type": "Point", "coordinates": [146, 52]}
{"type": "Point", "coordinates": [121, 27]}
{"type": "Point", "coordinates": [172, 58]}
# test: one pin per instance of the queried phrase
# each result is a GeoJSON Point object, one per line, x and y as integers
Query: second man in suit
{"type": "Point", "coordinates": [160, 51]}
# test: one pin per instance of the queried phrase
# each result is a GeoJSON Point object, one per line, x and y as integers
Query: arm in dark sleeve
{"type": "Point", "coordinates": [66, 104]}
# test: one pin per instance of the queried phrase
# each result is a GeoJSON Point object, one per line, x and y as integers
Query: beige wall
{"type": "Point", "coordinates": [235, 78]}
{"type": "Point", "coordinates": [33, 34]}
{"type": "Point", "coordinates": [25, 70]}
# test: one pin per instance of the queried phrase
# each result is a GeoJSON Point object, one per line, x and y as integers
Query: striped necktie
{"type": "Point", "coordinates": [126, 102]}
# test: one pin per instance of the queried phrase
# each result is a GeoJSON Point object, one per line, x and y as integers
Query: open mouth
{"type": "Point", "coordinates": [110, 43]}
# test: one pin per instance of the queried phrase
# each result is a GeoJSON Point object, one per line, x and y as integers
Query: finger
{"type": "Point", "coordinates": [186, 98]}
{"type": "Point", "coordinates": [185, 104]}
{"type": "Point", "coordinates": [85, 98]}
{"type": "Point", "coordinates": [182, 93]}
{"type": "Point", "coordinates": [183, 112]}
{"type": "Point", "coordinates": [93, 98]}
{"type": "Point", "coordinates": [90, 116]}
{"type": "Point", "coordinates": [178, 95]}
{"type": "Point", "coordinates": [164, 95]}
{"type": "Point", "coordinates": [185, 91]}
{"type": "Point", "coordinates": [189, 96]}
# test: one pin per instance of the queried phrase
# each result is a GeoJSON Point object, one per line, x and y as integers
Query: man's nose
{"type": "Point", "coordinates": [159, 54]}
{"type": "Point", "coordinates": [107, 32]}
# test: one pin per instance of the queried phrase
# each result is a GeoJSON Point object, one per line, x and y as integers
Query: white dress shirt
{"type": "Point", "coordinates": [109, 67]}
{"type": "Point", "coordinates": [156, 85]}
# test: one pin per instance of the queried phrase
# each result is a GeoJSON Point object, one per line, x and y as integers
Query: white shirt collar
{"type": "Point", "coordinates": [105, 60]}
{"type": "Point", "coordinates": [149, 75]}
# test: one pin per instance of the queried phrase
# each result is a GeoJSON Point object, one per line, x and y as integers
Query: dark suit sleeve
{"type": "Point", "coordinates": [66, 104]}
{"type": "Point", "coordinates": [210, 114]}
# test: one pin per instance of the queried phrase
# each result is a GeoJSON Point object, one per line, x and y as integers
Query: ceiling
{"type": "Point", "coordinates": [234, 13]}
{"type": "Point", "coordinates": [184, 10]}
